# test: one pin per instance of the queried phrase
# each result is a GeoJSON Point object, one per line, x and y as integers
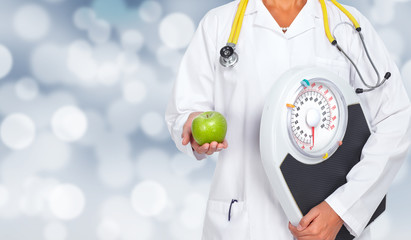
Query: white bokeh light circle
{"type": "Point", "coordinates": [17, 131]}
{"type": "Point", "coordinates": [36, 192]}
{"type": "Point", "coordinates": [132, 40]}
{"type": "Point", "coordinates": [31, 22]}
{"type": "Point", "coordinates": [169, 57]}
{"type": "Point", "coordinates": [99, 31]}
{"type": "Point", "coordinates": [179, 231]}
{"type": "Point", "coordinates": [107, 52]}
{"type": "Point", "coordinates": [26, 88]}
{"type": "Point", "coordinates": [84, 17]}
{"type": "Point", "coordinates": [69, 123]}
{"type": "Point", "coordinates": [81, 63]}
{"type": "Point", "coordinates": [112, 145]}
{"type": "Point", "coordinates": [382, 12]}
{"type": "Point", "coordinates": [393, 40]}
{"type": "Point", "coordinates": [55, 231]}
{"type": "Point", "coordinates": [42, 108]}
{"type": "Point", "coordinates": [96, 130]}
{"type": "Point", "coordinates": [6, 61]}
{"type": "Point", "coordinates": [153, 163]}
{"type": "Point", "coordinates": [66, 201]}
{"type": "Point", "coordinates": [128, 63]}
{"type": "Point", "coordinates": [148, 198]}
{"type": "Point", "coordinates": [31, 206]}
{"type": "Point", "coordinates": [147, 73]}
{"type": "Point", "coordinates": [119, 211]}
{"type": "Point", "coordinates": [108, 73]}
{"type": "Point", "coordinates": [406, 75]}
{"type": "Point", "coordinates": [183, 165]}
{"type": "Point", "coordinates": [150, 11]}
{"type": "Point", "coordinates": [14, 170]}
{"type": "Point", "coordinates": [134, 91]}
{"type": "Point", "coordinates": [49, 153]}
{"type": "Point", "coordinates": [152, 124]}
{"type": "Point", "coordinates": [192, 215]}
{"type": "Point", "coordinates": [168, 213]}
{"type": "Point", "coordinates": [108, 229]}
{"type": "Point", "coordinates": [48, 63]}
{"type": "Point", "coordinates": [116, 173]}
{"type": "Point", "coordinates": [10, 209]}
{"type": "Point", "coordinates": [9, 102]}
{"type": "Point", "coordinates": [123, 117]}
{"type": "Point", "coordinates": [176, 30]}
{"type": "Point", "coordinates": [4, 195]}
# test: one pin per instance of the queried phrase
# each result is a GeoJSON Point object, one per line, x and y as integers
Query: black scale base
{"type": "Point", "coordinates": [312, 184]}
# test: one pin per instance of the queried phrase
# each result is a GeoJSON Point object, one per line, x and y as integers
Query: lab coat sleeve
{"type": "Point", "coordinates": [193, 87]}
{"type": "Point", "coordinates": [388, 112]}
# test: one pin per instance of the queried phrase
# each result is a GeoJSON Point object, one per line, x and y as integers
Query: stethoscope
{"type": "Point", "coordinates": [229, 57]}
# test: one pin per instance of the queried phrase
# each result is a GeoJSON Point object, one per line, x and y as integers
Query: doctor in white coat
{"type": "Point", "coordinates": [266, 51]}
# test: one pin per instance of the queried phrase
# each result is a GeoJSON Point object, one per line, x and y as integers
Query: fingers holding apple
{"type": "Point", "coordinates": [203, 148]}
{"type": "Point", "coordinates": [186, 135]}
{"type": "Point", "coordinates": [222, 145]}
{"type": "Point", "coordinates": [213, 148]}
{"type": "Point", "coordinates": [199, 149]}
{"type": "Point", "coordinates": [206, 132]}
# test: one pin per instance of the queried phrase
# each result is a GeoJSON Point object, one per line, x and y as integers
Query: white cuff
{"type": "Point", "coordinates": [350, 221]}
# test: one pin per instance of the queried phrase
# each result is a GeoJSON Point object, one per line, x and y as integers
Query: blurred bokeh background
{"type": "Point", "coordinates": [84, 150]}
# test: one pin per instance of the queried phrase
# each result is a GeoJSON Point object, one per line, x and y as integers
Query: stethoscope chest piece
{"type": "Point", "coordinates": [228, 56]}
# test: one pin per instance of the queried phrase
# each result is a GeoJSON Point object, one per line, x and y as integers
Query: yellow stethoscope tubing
{"type": "Point", "coordinates": [325, 21]}
{"type": "Point", "coordinates": [238, 22]}
{"type": "Point", "coordinates": [347, 13]}
{"type": "Point", "coordinates": [239, 17]}
{"type": "Point", "coordinates": [325, 17]}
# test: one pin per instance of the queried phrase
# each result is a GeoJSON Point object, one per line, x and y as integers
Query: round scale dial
{"type": "Point", "coordinates": [317, 118]}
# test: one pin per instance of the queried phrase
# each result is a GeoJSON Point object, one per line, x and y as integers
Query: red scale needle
{"type": "Point", "coordinates": [313, 136]}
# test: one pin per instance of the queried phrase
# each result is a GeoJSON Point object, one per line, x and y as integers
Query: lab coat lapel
{"type": "Point", "coordinates": [263, 18]}
{"type": "Point", "coordinates": [304, 21]}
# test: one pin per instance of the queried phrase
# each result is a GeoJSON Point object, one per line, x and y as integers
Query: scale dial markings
{"type": "Point", "coordinates": [315, 111]}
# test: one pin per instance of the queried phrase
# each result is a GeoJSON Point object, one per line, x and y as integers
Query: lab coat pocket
{"type": "Point", "coordinates": [218, 227]}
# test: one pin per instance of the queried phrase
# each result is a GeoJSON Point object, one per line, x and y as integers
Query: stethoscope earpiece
{"type": "Point", "coordinates": [361, 90]}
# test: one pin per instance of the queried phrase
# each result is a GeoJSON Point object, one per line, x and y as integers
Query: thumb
{"type": "Point", "coordinates": [307, 219]}
{"type": "Point", "coordinates": [186, 134]}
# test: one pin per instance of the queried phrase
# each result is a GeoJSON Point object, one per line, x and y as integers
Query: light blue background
{"type": "Point", "coordinates": [123, 164]}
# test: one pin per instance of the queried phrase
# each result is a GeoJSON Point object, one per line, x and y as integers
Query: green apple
{"type": "Point", "coordinates": [209, 126]}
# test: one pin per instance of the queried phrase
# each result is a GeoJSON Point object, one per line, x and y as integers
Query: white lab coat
{"type": "Point", "coordinates": [265, 52]}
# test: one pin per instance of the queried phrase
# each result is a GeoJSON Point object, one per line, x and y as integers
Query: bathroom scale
{"type": "Point", "coordinates": [312, 132]}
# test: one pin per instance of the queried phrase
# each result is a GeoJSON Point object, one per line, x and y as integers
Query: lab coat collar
{"type": "Point", "coordinates": [304, 21]}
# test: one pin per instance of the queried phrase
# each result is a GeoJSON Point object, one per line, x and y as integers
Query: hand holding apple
{"type": "Point", "coordinates": [208, 148]}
